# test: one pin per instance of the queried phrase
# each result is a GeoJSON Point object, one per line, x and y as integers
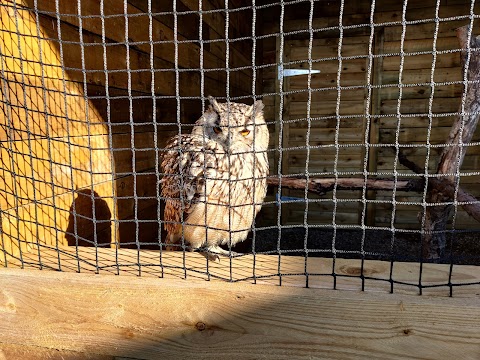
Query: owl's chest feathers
{"type": "Point", "coordinates": [240, 178]}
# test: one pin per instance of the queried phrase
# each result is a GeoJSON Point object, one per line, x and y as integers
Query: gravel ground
{"type": "Point", "coordinates": [463, 247]}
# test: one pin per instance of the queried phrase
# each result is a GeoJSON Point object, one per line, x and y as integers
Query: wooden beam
{"type": "Point", "coordinates": [149, 318]}
{"type": "Point", "coordinates": [189, 54]}
{"type": "Point", "coordinates": [262, 269]}
{"type": "Point", "coordinates": [216, 21]}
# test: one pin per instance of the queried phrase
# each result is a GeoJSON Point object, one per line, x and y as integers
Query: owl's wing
{"type": "Point", "coordinates": [187, 160]}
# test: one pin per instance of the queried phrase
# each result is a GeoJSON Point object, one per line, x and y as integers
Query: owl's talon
{"type": "Point", "coordinates": [213, 253]}
{"type": "Point", "coordinates": [209, 256]}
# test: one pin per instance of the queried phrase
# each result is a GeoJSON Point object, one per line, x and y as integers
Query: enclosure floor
{"type": "Point", "coordinates": [462, 248]}
{"type": "Point", "coordinates": [351, 274]}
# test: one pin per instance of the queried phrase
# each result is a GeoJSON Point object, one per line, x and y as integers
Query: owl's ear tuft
{"type": "Point", "coordinates": [259, 106]}
{"type": "Point", "coordinates": [256, 109]}
{"type": "Point", "coordinates": [214, 104]}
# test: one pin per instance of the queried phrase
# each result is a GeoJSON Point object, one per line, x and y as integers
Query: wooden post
{"type": "Point", "coordinates": [453, 154]}
{"type": "Point", "coordinates": [373, 137]}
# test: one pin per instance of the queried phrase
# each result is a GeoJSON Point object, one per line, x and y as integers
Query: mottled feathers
{"type": "Point", "coordinates": [215, 177]}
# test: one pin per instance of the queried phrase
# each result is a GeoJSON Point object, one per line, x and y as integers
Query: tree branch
{"type": "Point", "coordinates": [446, 187]}
{"type": "Point", "coordinates": [453, 153]}
{"type": "Point", "coordinates": [321, 186]}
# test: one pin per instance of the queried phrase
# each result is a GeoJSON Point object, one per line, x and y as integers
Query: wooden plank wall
{"type": "Point", "coordinates": [48, 150]}
{"type": "Point", "coordinates": [78, 128]}
{"type": "Point", "coordinates": [415, 100]}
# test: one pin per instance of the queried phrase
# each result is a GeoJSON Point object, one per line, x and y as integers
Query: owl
{"type": "Point", "coordinates": [215, 178]}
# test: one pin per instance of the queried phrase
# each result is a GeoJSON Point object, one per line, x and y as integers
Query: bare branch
{"type": "Point", "coordinates": [452, 155]}
{"type": "Point", "coordinates": [321, 186]}
{"type": "Point", "coordinates": [446, 187]}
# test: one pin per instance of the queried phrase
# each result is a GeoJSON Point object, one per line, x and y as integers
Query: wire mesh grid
{"type": "Point", "coordinates": [359, 100]}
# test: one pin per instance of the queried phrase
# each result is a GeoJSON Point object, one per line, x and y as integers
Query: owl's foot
{"type": "Point", "coordinates": [213, 253]}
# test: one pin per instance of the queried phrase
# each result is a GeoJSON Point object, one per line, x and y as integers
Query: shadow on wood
{"type": "Point", "coordinates": [151, 318]}
{"type": "Point", "coordinates": [89, 223]}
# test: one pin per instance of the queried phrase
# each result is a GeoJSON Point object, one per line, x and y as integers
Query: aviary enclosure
{"type": "Point", "coordinates": [372, 109]}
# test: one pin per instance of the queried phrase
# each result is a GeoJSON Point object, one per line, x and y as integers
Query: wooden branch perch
{"type": "Point", "coordinates": [321, 186]}
{"type": "Point", "coordinates": [453, 154]}
{"type": "Point", "coordinates": [447, 188]}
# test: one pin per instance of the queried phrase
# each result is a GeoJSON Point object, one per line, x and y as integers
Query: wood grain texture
{"type": "Point", "coordinates": [189, 53]}
{"type": "Point", "coordinates": [53, 140]}
{"type": "Point", "coordinates": [19, 351]}
{"type": "Point", "coordinates": [143, 318]}
{"type": "Point", "coordinates": [264, 269]}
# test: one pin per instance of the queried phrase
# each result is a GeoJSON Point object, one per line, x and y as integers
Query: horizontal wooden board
{"type": "Point", "coordinates": [324, 135]}
{"type": "Point", "coordinates": [322, 125]}
{"type": "Point", "coordinates": [422, 76]}
{"type": "Point", "coordinates": [347, 107]}
{"type": "Point", "coordinates": [359, 14]}
{"type": "Point", "coordinates": [424, 61]}
{"type": "Point", "coordinates": [420, 106]}
{"type": "Point", "coordinates": [332, 66]}
{"type": "Point", "coordinates": [327, 80]}
{"type": "Point", "coordinates": [327, 48]}
{"type": "Point", "coordinates": [386, 164]}
{"type": "Point", "coordinates": [414, 135]}
{"type": "Point", "coordinates": [266, 269]}
{"type": "Point", "coordinates": [151, 318]}
{"type": "Point", "coordinates": [390, 122]}
{"type": "Point", "coordinates": [425, 12]}
{"type": "Point", "coordinates": [471, 151]}
{"type": "Point", "coordinates": [422, 92]}
{"type": "Point", "coordinates": [317, 95]}
{"type": "Point", "coordinates": [422, 31]}
{"type": "Point", "coordinates": [419, 45]}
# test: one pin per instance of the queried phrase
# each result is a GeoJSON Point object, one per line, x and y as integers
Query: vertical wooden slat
{"type": "Point", "coordinates": [373, 137]}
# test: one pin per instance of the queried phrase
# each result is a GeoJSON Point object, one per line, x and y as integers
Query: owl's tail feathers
{"type": "Point", "coordinates": [173, 240]}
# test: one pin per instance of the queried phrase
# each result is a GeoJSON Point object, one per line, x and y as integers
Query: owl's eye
{"type": "Point", "coordinates": [217, 129]}
{"type": "Point", "coordinates": [245, 132]}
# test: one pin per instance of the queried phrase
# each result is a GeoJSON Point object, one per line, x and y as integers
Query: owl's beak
{"type": "Point", "coordinates": [229, 142]}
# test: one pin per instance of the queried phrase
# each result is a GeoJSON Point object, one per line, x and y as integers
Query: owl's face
{"type": "Point", "coordinates": [237, 127]}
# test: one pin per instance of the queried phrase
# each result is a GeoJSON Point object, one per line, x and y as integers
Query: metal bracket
{"type": "Point", "coordinates": [294, 72]}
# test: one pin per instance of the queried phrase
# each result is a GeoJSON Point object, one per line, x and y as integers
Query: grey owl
{"type": "Point", "coordinates": [214, 179]}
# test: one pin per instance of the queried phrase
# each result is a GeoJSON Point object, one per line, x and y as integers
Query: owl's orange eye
{"type": "Point", "coordinates": [245, 132]}
{"type": "Point", "coordinates": [217, 129]}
